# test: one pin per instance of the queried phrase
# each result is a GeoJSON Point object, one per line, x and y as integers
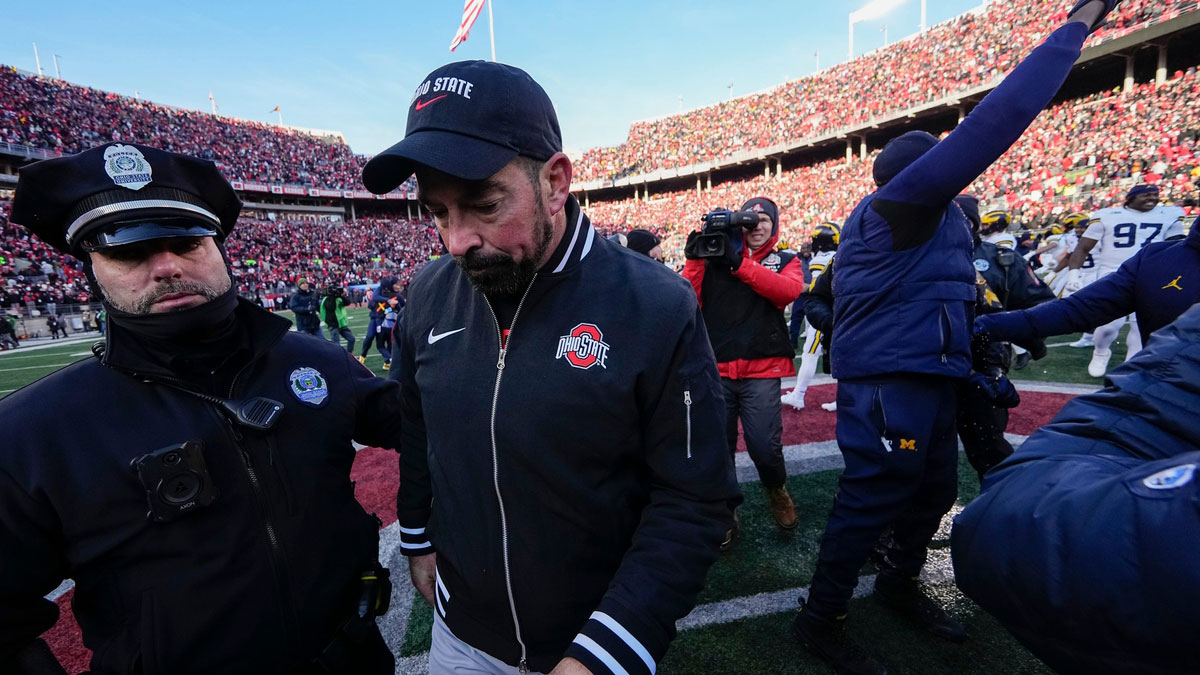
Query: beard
{"type": "Point", "coordinates": [145, 304]}
{"type": "Point", "coordinates": [498, 275]}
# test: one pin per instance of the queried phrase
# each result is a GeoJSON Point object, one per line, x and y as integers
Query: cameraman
{"type": "Point", "coordinates": [742, 293]}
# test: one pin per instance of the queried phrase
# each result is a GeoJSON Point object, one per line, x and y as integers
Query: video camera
{"type": "Point", "coordinates": [724, 225]}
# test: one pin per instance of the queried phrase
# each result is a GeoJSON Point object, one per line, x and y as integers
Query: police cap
{"type": "Point", "coordinates": [121, 193]}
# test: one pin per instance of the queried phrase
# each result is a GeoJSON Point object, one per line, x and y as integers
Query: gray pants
{"type": "Point", "coordinates": [755, 401]}
{"type": "Point", "coordinates": [450, 656]}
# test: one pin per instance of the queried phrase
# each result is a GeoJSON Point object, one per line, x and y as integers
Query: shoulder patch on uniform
{"type": "Point", "coordinates": [982, 265]}
{"type": "Point", "coordinates": [308, 385]}
{"type": "Point", "coordinates": [1169, 479]}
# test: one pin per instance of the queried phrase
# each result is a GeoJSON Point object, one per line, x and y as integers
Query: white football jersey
{"type": "Point", "coordinates": [1002, 239]}
{"type": "Point", "coordinates": [820, 260]}
{"type": "Point", "coordinates": [1121, 232]}
{"type": "Point", "coordinates": [1066, 246]}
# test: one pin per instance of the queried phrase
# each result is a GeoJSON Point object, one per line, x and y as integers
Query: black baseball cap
{"type": "Point", "coordinates": [122, 193]}
{"type": "Point", "coordinates": [469, 119]}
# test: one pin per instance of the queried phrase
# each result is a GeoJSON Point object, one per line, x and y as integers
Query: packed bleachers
{"type": "Point", "coordinates": [1080, 154]}
{"type": "Point", "coordinates": [269, 256]}
{"type": "Point", "coordinates": [53, 115]}
{"type": "Point", "coordinates": [957, 55]}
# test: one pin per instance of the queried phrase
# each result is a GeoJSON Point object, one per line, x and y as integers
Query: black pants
{"type": "Point", "coordinates": [981, 427]}
{"type": "Point", "coordinates": [755, 401]}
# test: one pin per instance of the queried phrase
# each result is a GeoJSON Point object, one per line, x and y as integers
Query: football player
{"type": "Point", "coordinates": [995, 229]}
{"type": "Point", "coordinates": [1112, 236]}
{"type": "Point", "coordinates": [824, 243]}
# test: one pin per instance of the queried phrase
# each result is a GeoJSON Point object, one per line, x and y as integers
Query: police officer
{"type": "Point", "coordinates": [207, 518]}
{"type": "Point", "coordinates": [1004, 281]}
{"type": "Point", "coordinates": [904, 295]}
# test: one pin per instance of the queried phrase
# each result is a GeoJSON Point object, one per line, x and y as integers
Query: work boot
{"type": "Point", "coordinates": [732, 533]}
{"type": "Point", "coordinates": [829, 641]}
{"type": "Point", "coordinates": [906, 597]}
{"type": "Point", "coordinates": [1099, 363]}
{"type": "Point", "coordinates": [794, 398]}
{"type": "Point", "coordinates": [782, 508]}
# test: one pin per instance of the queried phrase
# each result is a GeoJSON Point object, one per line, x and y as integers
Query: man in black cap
{"type": "Point", "coordinates": [645, 242]}
{"type": "Point", "coordinates": [564, 462]}
{"type": "Point", "coordinates": [208, 521]}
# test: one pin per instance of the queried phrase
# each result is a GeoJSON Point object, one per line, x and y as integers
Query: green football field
{"type": "Point", "coordinates": [741, 622]}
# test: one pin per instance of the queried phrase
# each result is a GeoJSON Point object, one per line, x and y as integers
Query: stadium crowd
{"type": "Point", "coordinates": [53, 115]}
{"type": "Point", "coordinates": [1079, 155]}
{"type": "Point", "coordinates": [968, 51]}
{"type": "Point", "coordinates": [270, 256]}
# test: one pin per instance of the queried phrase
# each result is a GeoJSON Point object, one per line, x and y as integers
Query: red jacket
{"type": "Point", "coordinates": [779, 287]}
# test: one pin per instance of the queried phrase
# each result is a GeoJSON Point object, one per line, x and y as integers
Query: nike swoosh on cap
{"type": "Point", "coordinates": [434, 338]}
{"type": "Point", "coordinates": [422, 104]}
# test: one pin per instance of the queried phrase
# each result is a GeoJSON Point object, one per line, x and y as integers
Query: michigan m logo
{"type": "Point", "coordinates": [908, 444]}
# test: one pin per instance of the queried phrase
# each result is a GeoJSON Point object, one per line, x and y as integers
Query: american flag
{"type": "Point", "coordinates": [471, 11]}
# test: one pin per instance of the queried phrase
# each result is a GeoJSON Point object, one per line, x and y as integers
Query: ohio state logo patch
{"type": "Point", "coordinates": [583, 347]}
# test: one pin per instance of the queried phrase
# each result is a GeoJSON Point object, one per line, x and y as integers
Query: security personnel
{"type": "Point", "coordinates": [1004, 281]}
{"type": "Point", "coordinates": [207, 518]}
{"type": "Point", "coordinates": [904, 294]}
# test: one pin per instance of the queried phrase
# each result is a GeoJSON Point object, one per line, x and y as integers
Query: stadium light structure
{"type": "Point", "coordinates": [874, 10]}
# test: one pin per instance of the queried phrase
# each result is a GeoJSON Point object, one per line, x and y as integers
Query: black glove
{"type": "Point", "coordinates": [1109, 5]}
{"type": "Point", "coordinates": [732, 259]}
{"type": "Point", "coordinates": [691, 250]}
{"type": "Point", "coordinates": [996, 389]}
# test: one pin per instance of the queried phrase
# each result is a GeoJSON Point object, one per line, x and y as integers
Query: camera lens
{"type": "Point", "coordinates": [171, 458]}
{"type": "Point", "coordinates": [179, 489]}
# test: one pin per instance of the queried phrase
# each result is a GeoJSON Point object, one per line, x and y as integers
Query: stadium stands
{"type": "Point", "coordinates": [267, 257]}
{"type": "Point", "coordinates": [957, 55]}
{"type": "Point", "coordinates": [53, 115]}
{"type": "Point", "coordinates": [1080, 154]}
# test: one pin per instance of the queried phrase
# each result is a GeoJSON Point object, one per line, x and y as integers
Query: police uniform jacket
{"type": "Point", "coordinates": [1010, 277]}
{"type": "Point", "coordinates": [260, 579]}
{"type": "Point", "coordinates": [1083, 543]}
{"type": "Point", "coordinates": [577, 485]}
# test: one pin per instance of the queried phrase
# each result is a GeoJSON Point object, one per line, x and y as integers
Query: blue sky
{"type": "Point", "coordinates": [352, 66]}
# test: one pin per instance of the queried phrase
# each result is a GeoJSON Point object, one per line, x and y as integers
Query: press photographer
{"type": "Point", "coordinates": [743, 286]}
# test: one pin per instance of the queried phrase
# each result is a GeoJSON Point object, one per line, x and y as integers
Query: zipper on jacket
{"type": "Point", "coordinates": [687, 404]}
{"type": "Point", "coordinates": [523, 666]}
{"type": "Point", "coordinates": [946, 332]}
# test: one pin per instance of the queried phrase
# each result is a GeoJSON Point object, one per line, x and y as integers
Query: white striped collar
{"type": "Point", "coordinates": [576, 242]}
